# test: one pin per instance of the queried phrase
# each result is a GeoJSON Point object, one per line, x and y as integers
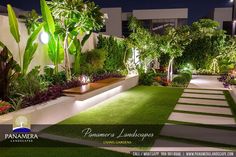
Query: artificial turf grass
{"type": "Point", "coordinates": [140, 105]}
{"type": "Point", "coordinates": [57, 149]}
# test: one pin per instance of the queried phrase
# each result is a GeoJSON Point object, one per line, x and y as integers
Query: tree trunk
{"type": "Point", "coordinates": [77, 63]}
{"type": "Point", "coordinates": [170, 70]}
{"type": "Point", "coordinates": [67, 60]}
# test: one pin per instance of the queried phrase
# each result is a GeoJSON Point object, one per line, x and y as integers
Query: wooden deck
{"type": "Point", "coordinates": [92, 86]}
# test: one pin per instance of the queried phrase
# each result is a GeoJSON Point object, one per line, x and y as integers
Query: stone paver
{"type": "Point", "coordinates": [200, 134]}
{"type": "Point", "coordinates": [204, 96]}
{"type": "Point", "coordinates": [203, 109]}
{"type": "Point", "coordinates": [203, 91]}
{"type": "Point", "coordinates": [201, 119]}
{"type": "Point", "coordinates": [167, 145]}
{"type": "Point", "coordinates": [203, 101]}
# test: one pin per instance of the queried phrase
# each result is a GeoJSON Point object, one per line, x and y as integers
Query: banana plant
{"type": "Point", "coordinates": [30, 49]}
{"type": "Point", "coordinates": [14, 29]}
{"type": "Point", "coordinates": [31, 46]}
{"type": "Point", "coordinates": [55, 50]}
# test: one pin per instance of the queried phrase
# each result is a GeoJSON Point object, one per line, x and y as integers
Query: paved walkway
{"type": "Point", "coordinates": [206, 82]}
{"type": "Point", "coordinates": [205, 116]}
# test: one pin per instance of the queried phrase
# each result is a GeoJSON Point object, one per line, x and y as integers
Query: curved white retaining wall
{"type": "Point", "coordinates": [64, 107]}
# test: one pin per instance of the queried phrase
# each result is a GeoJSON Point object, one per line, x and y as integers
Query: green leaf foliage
{"type": "Point", "coordinates": [8, 70]}
{"type": "Point", "coordinates": [116, 53]}
{"type": "Point", "coordinates": [13, 23]}
{"type": "Point", "coordinates": [92, 61]}
{"type": "Point", "coordinates": [47, 17]}
{"type": "Point", "coordinates": [30, 49]}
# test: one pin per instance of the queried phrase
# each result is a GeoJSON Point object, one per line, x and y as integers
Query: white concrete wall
{"type": "Point", "coordinates": [222, 14]}
{"type": "Point", "coordinates": [161, 13]}
{"type": "Point", "coordinates": [114, 21]}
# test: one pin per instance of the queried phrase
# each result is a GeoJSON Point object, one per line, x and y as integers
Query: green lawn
{"type": "Point", "coordinates": [145, 108]}
{"type": "Point", "coordinates": [140, 105]}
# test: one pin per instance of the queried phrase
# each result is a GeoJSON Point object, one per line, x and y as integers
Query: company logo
{"type": "Point", "coordinates": [21, 131]}
{"type": "Point", "coordinates": [21, 125]}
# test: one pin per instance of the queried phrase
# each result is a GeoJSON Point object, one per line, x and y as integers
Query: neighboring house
{"type": "Point", "coordinates": [224, 17]}
{"type": "Point", "coordinates": [153, 19]}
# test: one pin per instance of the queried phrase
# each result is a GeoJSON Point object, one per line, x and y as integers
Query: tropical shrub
{"type": "Point", "coordinates": [146, 78]}
{"type": "Point", "coordinates": [53, 78]}
{"type": "Point", "coordinates": [28, 85]}
{"type": "Point", "coordinates": [187, 75]}
{"type": "Point", "coordinates": [183, 79]}
{"type": "Point", "coordinates": [92, 61]}
{"type": "Point", "coordinates": [180, 81]}
{"type": "Point", "coordinates": [117, 52]}
{"type": "Point", "coordinates": [9, 70]}
{"type": "Point", "coordinates": [101, 76]}
{"type": "Point", "coordinates": [50, 93]}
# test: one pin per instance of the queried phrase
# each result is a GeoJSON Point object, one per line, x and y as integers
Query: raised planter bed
{"type": "Point", "coordinates": [54, 111]}
{"type": "Point", "coordinates": [92, 89]}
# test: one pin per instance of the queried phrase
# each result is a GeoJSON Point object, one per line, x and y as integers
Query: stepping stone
{"type": "Point", "coordinates": [201, 119]}
{"type": "Point", "coordinates": [169, 145]}
{"type": "Point", "coordinates": [204, 96]}
{"type": "Point", "coordinates": [203, 102]}
{"type": "Point", "coordinates": [200, 134]}
{"type": "Point", "coordinates": [203, 91]}
{"type": "Point", "coordinates": [203, 109]}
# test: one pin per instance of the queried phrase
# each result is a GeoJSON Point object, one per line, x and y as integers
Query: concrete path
{"type": "Point", "coordinates": [203, 109]}
{"type": "Point", "coordinates": [203, 102]}
{"type": "Point", "coordinates": [203, 91]}
{"type": "Point", "coordinates": [201, 119]}
{"type": "Point", "coordinates": [203, 97]}
{"type": "Point", "coordinates": [206, 82]}
{"type": "Point", "coordinates": [200, 133]}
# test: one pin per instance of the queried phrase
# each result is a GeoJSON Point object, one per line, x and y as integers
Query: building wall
{"type": "Point", "coordinates": [222, 14]}
{"type": "Point", "coordinates": [114, 21]}
{"type": "Point", "coordinates": [161, 14]}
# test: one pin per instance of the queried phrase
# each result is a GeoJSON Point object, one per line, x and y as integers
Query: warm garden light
{"type": "Point", "coordinates": [44, 37]}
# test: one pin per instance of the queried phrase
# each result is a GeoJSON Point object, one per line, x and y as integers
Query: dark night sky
{"type": "Point", "coordinates": [197, 8]}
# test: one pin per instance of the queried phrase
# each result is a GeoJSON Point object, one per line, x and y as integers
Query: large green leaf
{"type": "Point", "coordinates": [30, 49]}
{"type": "Point", "coordinates": [13, 23]}
{"type": "Point", "coordinates": [47, 17]}
{"type": "Point", "coordinates": [55, 50]}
